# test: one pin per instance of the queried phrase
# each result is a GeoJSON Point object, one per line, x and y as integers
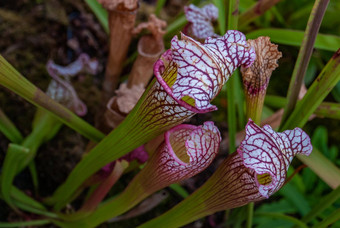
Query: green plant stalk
{"type": "Point", "coordinates": [35, 210]}
{"type": "Point", "coordinates": [24, 202]}
{"type": "Point", "coordinates": [25, 224]}
{"type": "Point", "coordinates": [175, 25]}
{"type": "Point", "coordinates": [325, 109]}
{"type": "Point", "coordinates": [45, 127]}
{"type": "Point", "coordinates": [15, 155]}
{"type": "Point", "coordinates": [104, 187]}
{"type": "Point", "coordinates": [9, 129]}
{"type": "Point", "coordinates": [130, 134]}
{"type": "Point", "coordinates": [317, 92]}
{"type": "Point", "coordinates": [283, 217]}
{"type": "Point", "coordinates": [239, 100]}
{"type": "Point", "coordinates": [254, 107]}
{"type": "Point", "coordinates": [108, 209]}
{"type": "Point", "coordinates": [254, 104]}
{"type": "Point", "coordinates": [329, 110]}
{"type": "Point", "coordinates": [222, 17]}
{"type": "Point", "coordinates": [100, 13]}
{"type": "Point", "coordinates": [159, 6]}
{"type": "Point", "coordinates": [255, 11]}
{"type": "Point", "coordinates": [275, 101]}
{"type": "Point", "coordinates": [34, 175]}
{"type": "Point", "coordinates": [304, 56]}
{"type": "Point", "coordinates": [295, 37]}
{"type": "Point", "coordinates": [231, 114]}
{"type": "Point", "coordinates": [323, 204]}
{"type": "Point", "coordinates": [14, 81]}
{"type": "Point", "coordinates": [332, 218]}
{"type": "Point", "coordinates": [197, 210]}
{"type": "Point", "coordinates": [250, 214]}
{"type": "Point", "coordinates": [195, 206]}
{"type": "Point", "coordinates": [232, 18]}
{"type": "Point", "coordinates": [21, 198]}
{"type": "Point", "coordinates": [323, 167]}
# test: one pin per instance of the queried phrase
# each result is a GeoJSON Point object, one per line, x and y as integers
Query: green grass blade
{"type": "Point", "coordinates": [325, 109]}
{"type": "Point", "coordinates": [304, 55]}
{"type": "Point", "coordinates": [100, 13]}
{"type": "Point", "coordinates": [332, 218]}
{"type": "Point", "coordinates": [295, 37]}
{"type": "Point", "coordinates": [322, 167]}
{"type": "Point", "coordinates": [329, 110]}
{"type": "Point", "coordinates": [22, 198]}
{"type": "Point", "coordinates": [159, 5]}
{"type": "Point", "coordinates": [25, 224]}
{"type": "Point", "coordinates": [179, 190]}
{"type": "Point", "coordinates": [255, 11]}
{"type": "Point", "coordinates": [283, 217]}
{"type": "Point", "coordinates": [222, 17]}
{"type": "Point", "coordinates": [176, 25]}
{"type": "Point", "coordinates": [275, 101]}
{"type": "Point", "coordinates": [295, 197]}
{"type": "Point", "coordinates": [9, 129]}
{"type": "Point", "coordinates": [239, 100]}
{"type": "Point", "coordinates": [323, 204]}
{"type": "Point", "coordinates": [317, 92]}
{"type": "Point", "coordinates": [14, 157]}
{"type": "Point", "coordinates": [14, 81]}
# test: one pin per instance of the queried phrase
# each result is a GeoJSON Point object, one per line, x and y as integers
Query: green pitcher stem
{"type": "Point", "coordinates": [254, 107]}
{"type": "Point", "coordinates": [110, 208]}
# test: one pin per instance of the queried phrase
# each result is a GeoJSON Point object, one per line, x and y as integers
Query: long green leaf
{"type": "Point", "coordinates": [322, 167]}
{"type": "Point", "coordinates": [295, 37]}
{"type": "Point", "coordinates": [323, 204]}
{"type": "Point", "coordinates": [317, 92]}
{"type": "Point", "coordinates": [100, 13]}
{"type": "Point", "coordinates": [222, 17]}
{"type": "Point", "coordinates": [14, 81]}
{"type": "Point", "coordinates": [14, 157]}
{"type": "Point", "coordinates": [332, 218]}
{"type": "Point", "coordinates": [256, 10]}
{"type": "Point", "coordinates": [25, 224]}
{"type": "Point", "coordinates": [304, 55]}
{"type": "Point", "coordinates": [21, 197]}
{"type": "Point", "coordinates": [295, 197]}
{"type": "Point", "coordinates": [9, 129]}
{"type": "Point", "coordinates": [283, 217]}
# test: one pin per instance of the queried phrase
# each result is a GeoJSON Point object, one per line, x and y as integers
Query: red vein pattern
{"type": "Point", "coordinates": [235, 182]}
{"type": "Point", "coordinates": [200, 21]}
{"type": "Point", "coordinates": [268, 152]}
{"type": "Point", "coordinates": [199, 143]}
{"type": "Point", "coordinates": [199, 71]}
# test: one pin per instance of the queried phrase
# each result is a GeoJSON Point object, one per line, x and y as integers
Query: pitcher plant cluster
{"type": "Point", "coordinates": [143, 121]}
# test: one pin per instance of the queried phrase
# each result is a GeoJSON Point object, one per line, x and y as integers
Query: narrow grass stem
{"type": "Point", "coordinates": [250, 214]}
{"type": "Point", "coordinates": [316, 93]}
{"type": "Point", "coordinates": [283, 217]}
{"type": "Point", "coordinates": [14, 81]}
{"type": "Point", "coordinates": [304, 56]}
{"type": "Point", "coordinates": [332, 218]}
{"type": "Point", "coordinates": [324, 203]}
{"type": "Point", "coordinates": [9, 129]}
{"type": "Point", "coordinates": [256, 10]}
{"type": "Point", "coordinates": [25, 224]}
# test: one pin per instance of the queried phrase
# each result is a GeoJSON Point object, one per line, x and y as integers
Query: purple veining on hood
{"type": "Point", "coordinates": [270, 153]}
{"type": "Point", "coordinates": [187, 151]}
{"type": "Point", "coordinates": [202, 69]}
{"type": "Point", "coordinates": [200, 20]}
